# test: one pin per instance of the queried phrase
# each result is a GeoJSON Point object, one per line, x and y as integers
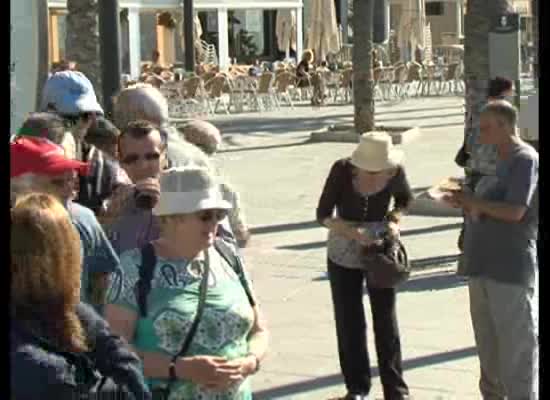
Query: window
{"type": "Point", "coordinates": [57, 34]}
{"type": "Point", "coordinates": [434, 8]}
{"type": "Point", "coordinates": [246, 34]}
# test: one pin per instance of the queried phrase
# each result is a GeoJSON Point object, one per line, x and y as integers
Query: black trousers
{"type": "Point", "coordinates": [351, 330]}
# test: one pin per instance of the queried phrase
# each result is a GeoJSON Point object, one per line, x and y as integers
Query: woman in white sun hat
{"type": "Point", "coordinates": [184, 300]}
{"type": "Point", "coordinates": [360, 189]}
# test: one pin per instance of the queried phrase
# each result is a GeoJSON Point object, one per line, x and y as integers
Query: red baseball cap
{"type": "Point", "coordinates": [40, 156]}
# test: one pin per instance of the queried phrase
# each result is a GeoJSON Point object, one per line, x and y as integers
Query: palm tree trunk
{"type": "Point", "coordinates": [82, 41]}
{"type": "Point", "coordinates": [363, 84]}
{"type": "Point", "coordinates": [479, 15]}
{"type": "Point", "coordinates": [535, 12]}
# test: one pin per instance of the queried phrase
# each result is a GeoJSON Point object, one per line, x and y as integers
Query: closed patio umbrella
{"type": "Point", "coordinates": [197, 33]}
{"type": "Point", "coordinates": [285, 30]}
{"type": "Point", "coordinates": [411, 27]}
{"type": "Point", "coordinates": [324, 35]}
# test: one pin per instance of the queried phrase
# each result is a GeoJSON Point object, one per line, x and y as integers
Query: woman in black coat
{"type": "Point", "coordinates": [360, 189]}
{"type": "Point", "coordinates": [59, 348]}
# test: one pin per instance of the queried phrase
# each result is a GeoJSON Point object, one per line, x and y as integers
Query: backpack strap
{"type": "Point", "coordinates": [146, 269]}
{"type": "Point", "coordinates": [231, 257]}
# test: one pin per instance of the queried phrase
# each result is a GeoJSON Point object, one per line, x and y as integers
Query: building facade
{"type": "Point", "coordinates": [241, 30]}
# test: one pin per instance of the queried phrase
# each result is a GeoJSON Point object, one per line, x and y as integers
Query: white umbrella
{"type": "Point", "coordinates": [411, 26]}
{"type": "Point", "coordinates": [285, 30]}
{"type": "Point", "coordinates": [324, 34]}
{"type": "Point", "coordinates": [197, 33]}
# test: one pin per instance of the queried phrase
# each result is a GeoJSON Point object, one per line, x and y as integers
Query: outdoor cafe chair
{"type": "Point", "coordinates": [399, 79]}
{"type": "Point", "coordinates": [172, 94]}
{"type": "Point", "coordinates": [344, 90]}
{"type": "Point", "coordinates": [215, 95]}
{"type": "Point", "coordinates": [243, 91]}
{"type": "Point", "coordinates": [414, 76]}
{"type": "Point", "coordinates": [378, 75]}
{"type": "Point", "coordinates": [194, 95]}
{"type": "Point", "coordinates": [431, 79]}
{"type": "Point", "coordinates": [265, 94]}
{"type": "Point", "coordinates": [383, 78]}
{"type": "Point", "coordinates": [283, 83]}
{"type": "Point", "coordinates": [449, 79]}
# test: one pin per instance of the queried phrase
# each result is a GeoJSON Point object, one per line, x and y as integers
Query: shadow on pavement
{"type": "Point", "coordinates": [426, 281]}
{"type": "Point", "coordinates": [280, 125]}
{"type": "Point", "coordinates": [432, 282]}
{"type": "Point", "coordinates": [420, 117]}
{"type": "Point", "coordinates": [413, 110]}
{"type": "Point", "coordinates": [284, 227]}
{"type": "Point", "coordinates": [420, 263]}
{"type": "Point", "coordinates": [336, 379]}
{"type": "Point", "coordinates": [431, 229]}
{"type": "Point", "coordinates": [429, 126]}
{"type": "Point", "coordinates": [274, 146]}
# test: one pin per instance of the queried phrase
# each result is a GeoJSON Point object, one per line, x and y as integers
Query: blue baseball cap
{"type": "Point", "coordinates": [69, 93]}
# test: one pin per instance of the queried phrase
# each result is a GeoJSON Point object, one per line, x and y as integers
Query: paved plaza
{"type": "Point", "coordinates": [280, 176]}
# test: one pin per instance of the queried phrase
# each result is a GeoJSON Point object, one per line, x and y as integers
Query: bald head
{"type": "Point", "coordinates": [498, 122]}
{"type": "Point", "coordinates": [504, 113]}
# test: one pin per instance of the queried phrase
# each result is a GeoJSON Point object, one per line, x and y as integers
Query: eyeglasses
{"type": "Point", "coordinates": [211, 215]}
{"type": "Point", "coordinates": [134, 158]}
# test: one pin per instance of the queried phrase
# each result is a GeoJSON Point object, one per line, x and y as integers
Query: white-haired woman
{"type": "Point", "coordinates": [208, 138]}
{"type": "Point", "coordinates": [184, 300]}
{"type": "Point", "coordinates": [360, 189]}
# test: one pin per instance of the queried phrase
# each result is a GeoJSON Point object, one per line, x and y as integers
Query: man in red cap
{"type": "Point", "coordinates": [38, 165]}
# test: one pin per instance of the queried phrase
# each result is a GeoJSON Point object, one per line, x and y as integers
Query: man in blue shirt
{"type": "Point", "coordinates": [500, 259]}
{"type": "Point", "coordinates": [38, 165]}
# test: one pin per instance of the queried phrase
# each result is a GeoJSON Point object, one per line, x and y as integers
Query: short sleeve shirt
{"type": "Point", "coordinates": [171, 306]}
{"type": "Point", "coordinates": [500, 250]}
{"type": "Point", "coordinates": [97, 253]}
{"type": "Point", "coordinates": [133, 228]}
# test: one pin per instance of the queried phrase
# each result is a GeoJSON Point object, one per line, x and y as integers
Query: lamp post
{"type": "Point", "coordinates": [109, 39]}
{"type": "Point", "coordinates": [188, 25]}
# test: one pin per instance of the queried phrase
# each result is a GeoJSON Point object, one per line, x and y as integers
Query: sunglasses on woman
{"type": "Point", "coordinates": [207, 216]}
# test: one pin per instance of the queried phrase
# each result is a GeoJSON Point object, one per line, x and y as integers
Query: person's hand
{"type": "Point", "coordinates": [243, 237]}
{"type": "Point", "coordinates": [452, 199]}
{"type": "Point", "coordinates": [147, 193]}
{"type": "Point", "coordinates": [359, 236]}
{"type": "Point", "coordinates": [113, 206]}
{"type": "Point", "coordinates": [393, 229]}
{"type": "Point", "coordinates": [214, 373]}
{"type": "Point", "coordinates": [245, 366]}
{"type": "Point", "coordinates": [149, 187]}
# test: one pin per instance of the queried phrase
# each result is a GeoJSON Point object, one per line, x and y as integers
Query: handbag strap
{"type": "Point", "coordinates": [193, 329]}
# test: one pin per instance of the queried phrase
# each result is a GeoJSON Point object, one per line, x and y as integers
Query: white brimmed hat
{"type": "Point", "coordinates": [375, 152]}
{"type": "Point", "coordinates": [186, 190]}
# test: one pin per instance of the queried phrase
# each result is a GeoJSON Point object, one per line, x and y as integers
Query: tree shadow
{"type": "Point", "coordinates": [419, 263]}
{"type": "Point", "coordinates": [426, 281]}
{"type": "Point", "coordinates": [273, 146]}
{"type": "Point", "coordinates": [284, 227]}
{"type": "Point", "coordinates": [337, 379]}
{"type": "Point", "coordinates": [422, 117]}
{"type": "Point", "coordinates": [435, 281]}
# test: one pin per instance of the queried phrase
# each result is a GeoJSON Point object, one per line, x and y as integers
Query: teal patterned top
{"type": "Point", "coordinates": [171, 305]}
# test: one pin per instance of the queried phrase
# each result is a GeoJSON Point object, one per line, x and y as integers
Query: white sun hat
{"type": "Point", "coordinates": [185, 190]}
{"type": "Point", "coordinates": [375, 153]}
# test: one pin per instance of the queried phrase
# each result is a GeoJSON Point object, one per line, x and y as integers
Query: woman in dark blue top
{"type": "Point", "coordinates": [59, 348]}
